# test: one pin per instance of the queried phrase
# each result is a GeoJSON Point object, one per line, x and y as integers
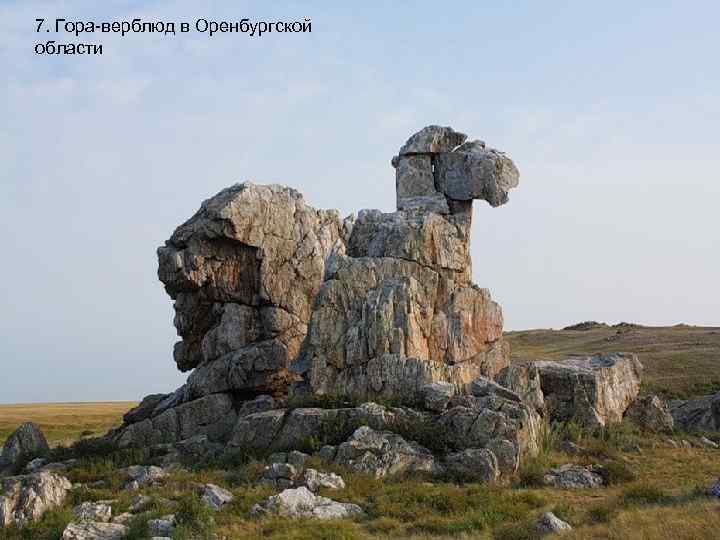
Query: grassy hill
{"type": "Point", "coordinates": [679, 361]}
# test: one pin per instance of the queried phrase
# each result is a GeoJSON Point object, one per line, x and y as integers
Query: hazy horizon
{"type": "Point", "coordinates": [612, 121]}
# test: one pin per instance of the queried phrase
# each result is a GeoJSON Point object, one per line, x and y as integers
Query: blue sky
{"type": "Point", "coordinates": [610, 110]}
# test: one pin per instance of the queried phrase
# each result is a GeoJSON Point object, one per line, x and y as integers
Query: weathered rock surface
{"type": "Point", "coordinates": [381, 453]}
{"type": "Point", "coordinates": [26, 498]}
{"type": "Point", "coordinates": [91, 511]}
{"type": "Point", "coordinates": [229, 270]}
{"type": "Point", "coordinates": [593, 391]}
{"type": "Point", "coordinates": [436, 396]}
{"type": "Point", "coordinates": [549, 523]}
{"type": "Point", "coordinates": [524, 380]}
{"type": "Point", "coordinates": [301, 502]}
{"type": "Point", "coordinates": [215, 496]}
{"type": "Point", "coordinates": [143, 475]}
{"type": "Point", "coordinates": [651, 413]}
{"type": "Point", "coordinates": [94, 531]}
{"type": "Point", "coordinates": [700, 414]}
{"type": "Point", "coordinates": [315, 480]}
{"type": "Point", "coordinates": [162, 526]}
{"type": "Point", "coordinates": [478, 464]}
{"type": "Point", "coordinates": [26, 442]}
{"type": "Point", "coordinates": [572, 476]}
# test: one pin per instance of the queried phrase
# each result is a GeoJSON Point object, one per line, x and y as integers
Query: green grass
{"type": "Point", "coordinates": [679, 361]}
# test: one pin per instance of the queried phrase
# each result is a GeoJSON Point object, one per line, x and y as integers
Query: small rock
{"type": "Point", "coordinates": [715, 489]}
{"type": "Point", "coordinates": [708, 443]}
{"type": "Point", "coordinates": [279, 475]}
{"type": "Point", "coordinates": [35, 465]}
{"type": "Point", "coordinates": [122, 519]}
{"type": "Point", "coordinates": [91, 511]}
{"type": "Point", "coordinates": [301, 502]}
{"type": "Point", "coordinates": [139, 503]}
{"type": "Point", "coordinates": [672, 443]}
{"type": "Point", "coordinates": [142, 475]}
{"type": "Point", "coordinates": [437, 395]}
{"type": "Point", "coordinates": [315, 480]}
{"type": "Point", "coordinates": [215, 496]}
{"type": "Point", "coordinates": [549, 523]}
{"type": "Point", "coordinates": [164, 526]}
{"type": "Point", "coordinates": [94, 531]}
{"type": "Point", "coordinates": [572, 476]}
{"type": "Point", "coordinates": [685, 443]}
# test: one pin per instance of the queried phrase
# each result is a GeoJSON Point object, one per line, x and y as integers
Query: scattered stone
{"type": "Point", "coordinates": [478, 464]}
{"type": "Point", "coordinates": [315, 480]}
{"type": "Point", "coordinates": [383, 453]}
{"type": "Point", "coordinates": [549, 523]}
{"type": "Point", "coordinates": [700, 414]}
{"type": "Point", "coordinates": [215, 496]}
{"type": "Point", "coordinates": [25, 498]}
{"type": "Point", "coordinates": [26, 442]}
{"type": "Point", "coordinates": [708, 443]}
{"type": "Point", "coordinates": [714, 490]}
{"type": "Point", "coordinates": [651, 413]}
{"type": "Point", "coordinates": [301, 502]}
{"type": "Point", "coordinates": [92, 512]}
{"type": "Point", "coordinates": [94, 531]}
{"type": "Point", "coordinates": [593, 391]}
{"type": "Point", "coordinates": [163, 526]}
{"type": "Point", "coordinates": [122, 519]}
{"type": "Point", "coordinates": [572, 476]}
{"type": "Point", "coordinates": [280, 475]}
{"type": "Point", "coordinates": [672, 443]}
{"type": "Point", "coordinates": [437, 395]}
{"type": "Point", "coordinates": [35, 465]}
{"type": "Point", "coordinates": [140, 503]}
{"type": "Point", "coordinates": [143, 475]}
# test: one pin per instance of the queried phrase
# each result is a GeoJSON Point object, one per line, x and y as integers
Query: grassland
{"type": "Point", "coordinates": [64, 422]}
{"type": "Point", "coordinates": [679, 361]}
{"type": "Point", "coordinates": [656, 491]}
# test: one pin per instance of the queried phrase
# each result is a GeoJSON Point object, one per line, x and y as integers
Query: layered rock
{"type": "Point", "coordinates": [592, 391]}
{"type": "Point", "coordinates": [399, 311]}
{"type": "Point", "coordinates": [243, 272]}
{"type": "Point", "coordinates": [651, 413]}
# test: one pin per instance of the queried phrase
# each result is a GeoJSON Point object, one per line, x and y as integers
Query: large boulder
{"type": "Point", "coordinates": [243, 272]}
{"type": "Point", "coordinates": [25, 443]}
{"type": "Point", "coordinates": [571, 476]}
{"type": "Point", "coordinates": [303, 503]}
{"type": "Point", "coordinates": [701, 414]}
{"type": "Point", "coordinates": [25, 498]}
{"type": "Point", "coordinates": [95, 531]}
{"type": "Point", "coordinates": [592, 391]}
{"type": "Point", "coordinates": [651, 413]}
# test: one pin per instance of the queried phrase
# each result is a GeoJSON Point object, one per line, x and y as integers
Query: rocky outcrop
{"type": "Point", "coordinates": [593, 391]}
{"type": "Point", "coordinates": [651, 413]}
{"type": "Point", "coordinates": [700, 414]}
{"type": "Point", "coordinates": [25, 443]}
{"type": "Point", "coordinates": [524, 380]}
{"type": "Point", "coordinates": [301, 502]}
{"type": "Point", "coordinates": [25, 498]}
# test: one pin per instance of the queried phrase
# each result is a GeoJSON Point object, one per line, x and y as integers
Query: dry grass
{"type": "Point", "coordinates": [64, 422]}
{"type": "Point", "coordinates": [679, 360]}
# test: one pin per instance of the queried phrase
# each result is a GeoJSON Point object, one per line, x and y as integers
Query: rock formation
{"type": "Point", "coordinates": [592, 391]}
{"type": "Point", "coordinates": [25, 443]}
{"type": "Point", "coordinates": [701, 414]}
{"type": "Point", "coordinates": [25, 498]}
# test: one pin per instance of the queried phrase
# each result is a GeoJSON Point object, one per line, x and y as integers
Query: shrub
{"type": "Point", "coordinates": [601, 513]}
{"type": "Point", "coordinates": [640, 495]}
{"type": "Point", "coordinates": [617, 472]}
{"type": "Point", "coordinates": [194, 517]}
{"type": "Point", "coordinates": [532, 472]}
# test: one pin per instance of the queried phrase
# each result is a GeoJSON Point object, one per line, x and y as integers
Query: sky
{"type": "Point", "coordinates": [609, 109]}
